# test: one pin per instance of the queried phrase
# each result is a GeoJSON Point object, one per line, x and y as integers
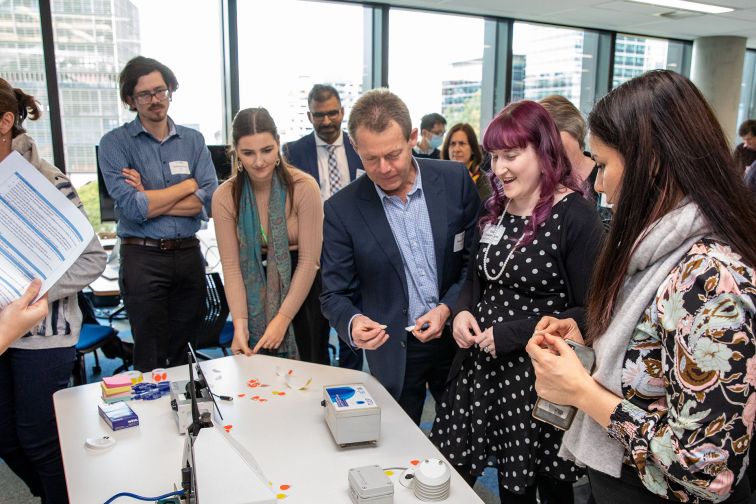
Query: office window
{"type": "Point", "coordinates": [634, 55]}
{"type": "Point", "coordinates": [436, 64]}
{"type": "Point", "coordinates": [549, 60]}
{"type": "Point", "coordinates": [747, 103]}
{"type": "Point", "coordinates": [276, 73]}
{"type": "Point", "coordinates": [22, 63]}
{"type": "Point", "coordinates": [93, 41]}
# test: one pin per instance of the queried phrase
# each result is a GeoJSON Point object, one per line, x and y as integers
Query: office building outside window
{"type": "Point", "coordinates": [550, 60]}
{"type": "Point", "coordinates": [93, 41]}
{"type": "Point", "coordinates": [277, 74]}
{"type": "Point", "coordinates": [436, 64]}
{"type": "Point", "coordinates": [22, 63]}
{"type": "Point", "coordinates": [634, 55]}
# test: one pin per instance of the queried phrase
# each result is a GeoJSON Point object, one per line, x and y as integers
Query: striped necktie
{"type": "Point", "coordinates": [334, 177]}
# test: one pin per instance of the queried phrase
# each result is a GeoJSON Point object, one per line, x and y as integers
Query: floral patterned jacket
{"type": "Point", "coordinates": [689, 379]}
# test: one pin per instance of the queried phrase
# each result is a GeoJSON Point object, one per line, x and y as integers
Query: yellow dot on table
{"type": "Point", "coordinates": [281, 496]}
{"type": "Point", "coordinates": [389, 473]}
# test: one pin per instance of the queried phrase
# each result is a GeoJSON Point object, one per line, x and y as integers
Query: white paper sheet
{"type": "Point", "coordinates": [41, 232]}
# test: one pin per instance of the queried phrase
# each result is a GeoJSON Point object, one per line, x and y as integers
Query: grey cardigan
{"type": "Point", "coordinates": [63, 323]}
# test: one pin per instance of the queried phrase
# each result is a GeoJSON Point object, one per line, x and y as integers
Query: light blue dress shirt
{"type": "Point", "coordinates": [161, 164]}
{"type": "Point", "coordinates": [412, 231]}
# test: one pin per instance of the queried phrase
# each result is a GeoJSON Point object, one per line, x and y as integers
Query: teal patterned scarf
{"type": "Point", "coordinates": [266, 286]}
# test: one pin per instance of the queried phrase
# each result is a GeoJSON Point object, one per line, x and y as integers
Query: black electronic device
{"type": "Point", "coordinates": [108, 211]}
{"type": "Point", "coordinates": [221, 160]}
{"type": "Point", "coordinates": [202, 381]}
{"type": "Point", "coordinates": [188, 473]}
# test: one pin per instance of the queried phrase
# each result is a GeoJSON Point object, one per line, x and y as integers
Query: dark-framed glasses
{"type": "Point", "coordinates": [332, 114]}
{"type": "Point", "coordinates": [145, 97]}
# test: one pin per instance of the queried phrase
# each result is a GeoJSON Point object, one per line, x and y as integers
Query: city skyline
{"type": "Point", "coordinates": [94, 39]}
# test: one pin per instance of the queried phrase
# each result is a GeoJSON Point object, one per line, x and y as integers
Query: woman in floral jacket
{"type": "Point", "coordinates": [668, 412]}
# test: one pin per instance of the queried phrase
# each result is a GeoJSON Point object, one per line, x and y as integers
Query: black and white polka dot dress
{"type": "Point", "coordinates": [486, 412]}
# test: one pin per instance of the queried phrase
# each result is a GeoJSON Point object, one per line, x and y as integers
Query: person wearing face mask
{"type": "Point", "coordinates": [432, 129]}
{"type": "Point", "coordinates": [269, 226]}
{"type": "Point", "coordinates": [532, 254]}
{"type": "Point", "coordinates": [461, 145]}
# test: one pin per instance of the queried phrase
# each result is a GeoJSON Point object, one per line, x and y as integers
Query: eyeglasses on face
{"type": "Point", "coordinates": [332, 114]}
{"type": "Point", "coordinates": [145, 97]}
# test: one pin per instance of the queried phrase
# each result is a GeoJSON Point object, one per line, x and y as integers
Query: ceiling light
{"type": "Point", "coordinates": [685, 5]}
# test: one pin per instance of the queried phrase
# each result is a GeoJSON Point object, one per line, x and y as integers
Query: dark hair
{"type": "Point", "coordinates": [663, 163]}
{"type": "Point", "coordinates": [566, 116]}
{"type": "Point", "coordinates": [140, 66]}
{"type": "Point", "coordinates": [429, 120]}
{"type": "Point", "coordinates": [322, 92]}
{"type": "Point", "coordinates": [18, 103]}
{"type": "Point", "coordinates": [376, 109]}
{"type": "Point", "coordinates": [253, 121]}
{"type": "Point", "coordinates": [472, 139]}
{"type": "Point", "coordinates": [518, 125]}
{"type": "Point", "coordinates": [747, 126]}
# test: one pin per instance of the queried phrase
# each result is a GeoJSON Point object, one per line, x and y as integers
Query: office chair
{"type": "Point", "coordinates": [214, 323]}
{"type": "Point", "coordinates": [92, 337]}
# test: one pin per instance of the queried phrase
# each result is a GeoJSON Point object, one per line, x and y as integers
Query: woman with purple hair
{"type": "Point", "coordinates": [533, 252]}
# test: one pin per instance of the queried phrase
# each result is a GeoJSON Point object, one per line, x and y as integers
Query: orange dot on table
{"type": "Point", "coordinates": [284, 487]}
{"type": "Point", "coordinates": [282, 393]}
{"type": "Point", "coordinates": [255, 398]}
{"type": "Point", "coordinates": [242, 395]}
{"type": "Point", "coordinates": [263, 400]}
{"type": "Point", "coordinates": [414, 462]}
{"type": "Point", "coordinates": [291, 371]}
{"type": "Point", "coordinates": [281, 496]}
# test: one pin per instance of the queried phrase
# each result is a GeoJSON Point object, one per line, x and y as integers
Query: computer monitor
{"type": "Point", "coordinates": [108, 212]}
{"type": "Point", "coordinates": [107, 206]}
{"type": "Point", "coordinates": [222, 162]}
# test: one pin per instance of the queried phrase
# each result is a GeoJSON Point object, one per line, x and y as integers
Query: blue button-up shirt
{"type": "Point", "coordinates": [161, 165]}
{"type": "Point", "coordinates": [411, 227]}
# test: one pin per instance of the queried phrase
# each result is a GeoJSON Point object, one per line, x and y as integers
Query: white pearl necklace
{"type": "Point", "coordinates": [494, 278]}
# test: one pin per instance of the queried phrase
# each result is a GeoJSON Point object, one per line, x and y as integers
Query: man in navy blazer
{"type": "Point", "coordinates": [303, 154]}
{"type": "Point", "coordinates": [311, 152]}
{"type": "Point", "coordinates": [327, 154]}
{"type": "Point", "coordinates": [395, 253]}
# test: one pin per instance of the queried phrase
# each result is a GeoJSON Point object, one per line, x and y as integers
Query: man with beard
{"type": "Point", "coordinates": [162, 179]}
{"type": "Point", "coordinates": [328, 155]}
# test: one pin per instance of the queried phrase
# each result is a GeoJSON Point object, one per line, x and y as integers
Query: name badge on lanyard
{"type": "Point", "coordinates": [492, 234]}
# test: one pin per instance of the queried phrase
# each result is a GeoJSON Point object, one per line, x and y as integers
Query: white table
{"type": "Point", "coordinates": [287, 435]}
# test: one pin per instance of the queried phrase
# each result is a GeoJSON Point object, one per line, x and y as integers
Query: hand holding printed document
{"type": "Point", "coordinates": [41, 232]}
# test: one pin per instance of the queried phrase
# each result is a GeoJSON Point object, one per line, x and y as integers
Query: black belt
{"type": "Point", "coordinates": [162, 244]}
